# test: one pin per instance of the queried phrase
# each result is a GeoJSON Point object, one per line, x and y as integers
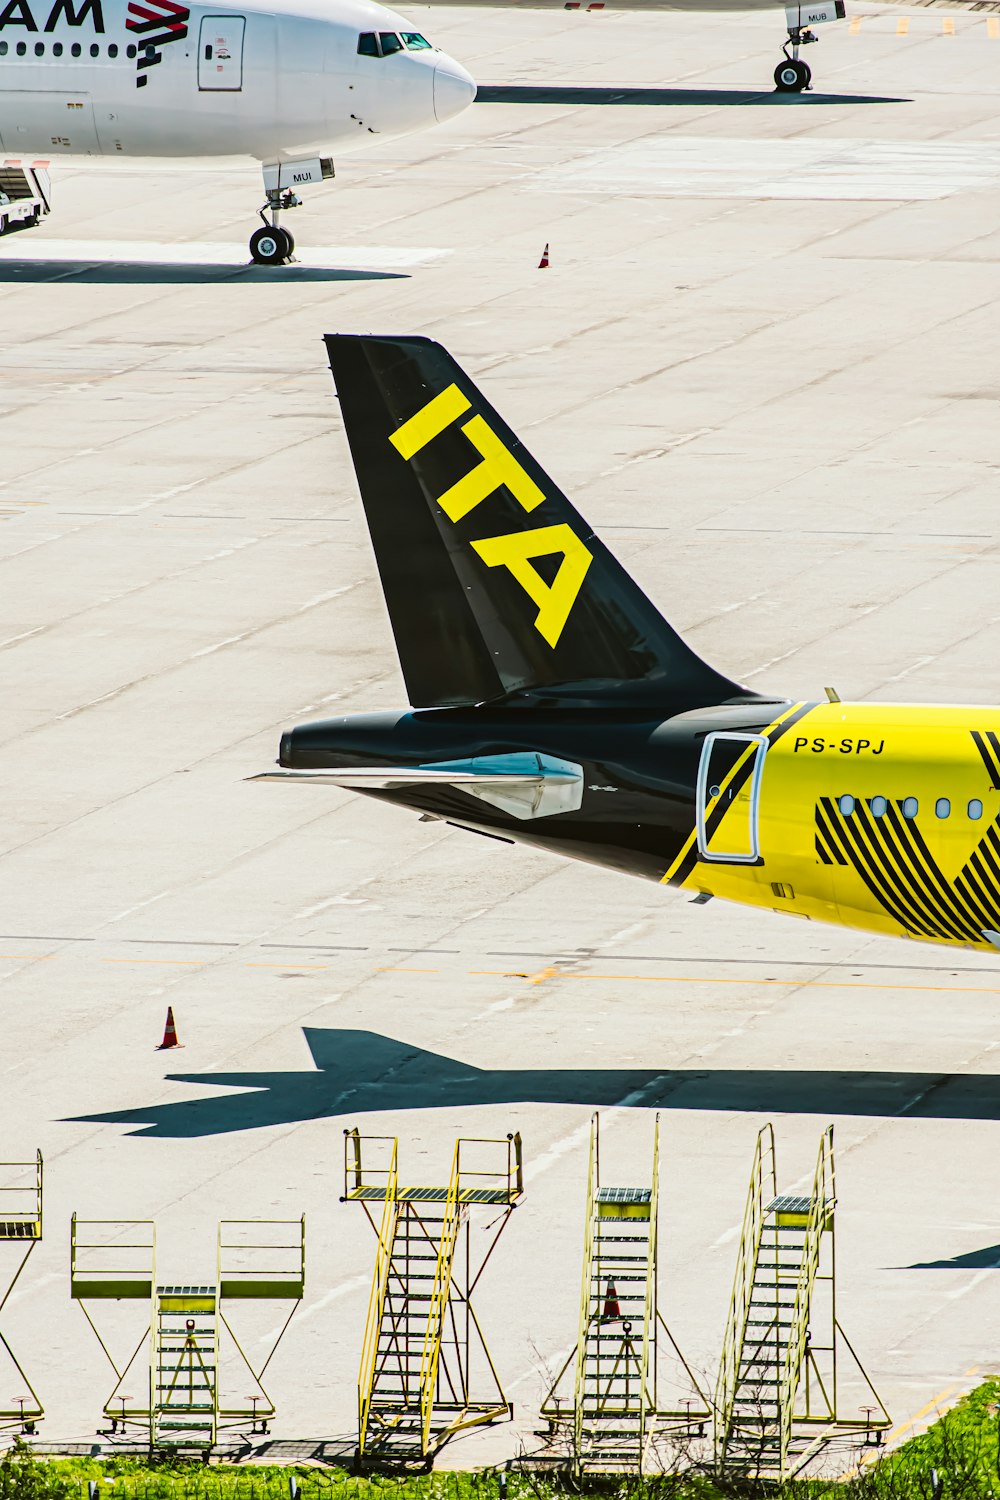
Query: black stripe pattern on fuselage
{"type": "Point", "coordinates": [890, 856]}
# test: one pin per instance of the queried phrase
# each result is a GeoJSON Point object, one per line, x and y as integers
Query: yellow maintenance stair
{"type": "Point", "coordinates": [615, 1410]}
{"type": "Point", "coordinates": [776, 1399]}
{"type": "Point", "coordinates": [426, 1372]}
{"type": "Point", "coordinates": [183, 1405]}
{"type": "Point", "coordinates": [20, 1232]}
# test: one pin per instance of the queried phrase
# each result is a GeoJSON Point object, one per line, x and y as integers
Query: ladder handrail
{"type": "Point", "coordinates": [586, 1287]}
{"type": "Point", "coordinates": [376, 1300]}
{"type": "Point", "coordinates": [647, 1389]}
{"type": "Point", "coordinates": [820, 1207]}
{"type": "Point", "coordinates": [440, 1293]}
{"type": "Point", "coordinates": [739, 1302]}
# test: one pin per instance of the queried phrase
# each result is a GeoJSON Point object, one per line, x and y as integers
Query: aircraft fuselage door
{"type": "Point", "coordinates": [220, 53]}
{"type": "Point", "coordinates": [727, 797]}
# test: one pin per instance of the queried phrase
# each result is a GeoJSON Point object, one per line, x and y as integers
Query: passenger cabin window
{"type": "Point", "coordinates": [910, 807]}
{"type": "Point", "coordinates": [415, 42]}
{"type": "Point", "coordinates": [76, 49]}
{"type": "Point", "coordinates": [113, 49]}
{"type": "Point", "coordinates": [975, 808]}
{"type": "Point", "coordinates": [57, 49]}
{"type": "Point", "coordinates": [367, 44]}
{"type": "Point", "coordinates": [95, 50]}
{"type": "Point", "coordinates": [878, 806]}
{"type": "Point", "coordinates": [3, 49]}
{"type": "Point", "coordinates": [22, 48]}
{"type": "Point", "coordinates": [846, 804]}
{"type": "Point", "coordinates": [39, 49]}
{"type": "Point", "coordinates": [130, 50]}
{"type": "Point", "coordinates": [942, 808]}
{"type": "Point", "coordinates": [390, 43]}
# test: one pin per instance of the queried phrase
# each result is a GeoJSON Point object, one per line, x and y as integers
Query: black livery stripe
{"type": "Point", "coordinates": [891, 857]}
{"type": "Point", "coordinates": [739, 780]}
{"type": "Point", "coordinates": [935, 894]}
{"type": "Point", "coordinates": [988, 746]}
{"type": "Point", "coordinates": [864, 868]}
{"type": "Point", "coordinates": [828, 851]}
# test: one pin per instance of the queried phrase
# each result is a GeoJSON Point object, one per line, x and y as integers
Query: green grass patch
{"type": "Point", "coordinates": [957, 1458]}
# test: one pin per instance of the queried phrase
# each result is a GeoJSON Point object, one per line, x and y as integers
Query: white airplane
{"type": "Point", "coordinates": [793, 73]}
{"type": "Point", "coordinates": [287, 82]}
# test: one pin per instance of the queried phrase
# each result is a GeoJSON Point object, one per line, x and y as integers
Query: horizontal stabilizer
{"type": "Point", "coordinates": [524, 785]}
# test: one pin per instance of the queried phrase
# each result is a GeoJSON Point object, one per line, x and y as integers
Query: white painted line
{"type": "Point", "coordinates": [216, 253]}
{"type": "Point", "coordinates": [710, 167]}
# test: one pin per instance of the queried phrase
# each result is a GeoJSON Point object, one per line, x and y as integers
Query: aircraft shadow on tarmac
{"type": "Point", "coordinates": [152, 273]}
{"type": "Point", "coordinates": [974, 1260]}
{"type": "Point", "coordinates": [360, 1071]}
{"type": "Point", "coordinates": [544, 93]}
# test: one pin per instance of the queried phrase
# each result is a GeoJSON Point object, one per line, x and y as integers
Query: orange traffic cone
{"type": "Point", "coordinates": [611, 1308]}
{"type": "Point", "coordinates": [169, 1032]}
{"type": "Point", "coordinates": [544, 262]}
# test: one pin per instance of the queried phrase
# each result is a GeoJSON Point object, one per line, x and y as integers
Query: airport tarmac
{"type": "Point", "coordinates": [763, 363]}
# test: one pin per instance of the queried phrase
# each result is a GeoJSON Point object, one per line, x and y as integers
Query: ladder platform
{"type": "Point", "coordinates": [21, 1229]}
{"type": "Point", "coordinates": [378, 1194]}
{"type": "Point", "coordinates": [186, 1299]}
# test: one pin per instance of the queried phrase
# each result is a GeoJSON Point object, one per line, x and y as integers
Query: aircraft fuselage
{"type": "Point", "coordinates": [875, 816]}
{"type": "Point", "coordinates": [284, 81]}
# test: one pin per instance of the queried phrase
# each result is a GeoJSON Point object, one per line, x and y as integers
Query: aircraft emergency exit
{"type": "Point", "coordinates": [552, 704]}
{"type": "Point", "coordinates": [287, 82]}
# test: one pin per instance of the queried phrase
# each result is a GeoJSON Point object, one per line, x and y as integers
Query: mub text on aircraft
{"type": "Point", "coordinates": [553, 705]}
{"type": "Point", "coordinates": [290, 83]}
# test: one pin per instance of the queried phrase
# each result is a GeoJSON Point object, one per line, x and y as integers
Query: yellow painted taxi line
{"type": "Point", "coordinates": [196, 962]}
{"type": "Point", "coordinates": [947, 26]}
{"type": "Point", "coordinates": [931, 1405]}
{"type": "Point", "coordinates": [286, 966]}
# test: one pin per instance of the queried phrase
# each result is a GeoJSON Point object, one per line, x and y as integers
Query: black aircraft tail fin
{"type": "Point", "coordinates": [495, 585]}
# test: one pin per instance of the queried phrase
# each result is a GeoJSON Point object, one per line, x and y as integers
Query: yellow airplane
{"type": "Point", "coordinates": [552, 704]}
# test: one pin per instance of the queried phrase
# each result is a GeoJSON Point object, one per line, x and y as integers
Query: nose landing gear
{"type": "Point", "coordinates": [793, 75]}
{"type": "Point", "coordinates": [273, 245]}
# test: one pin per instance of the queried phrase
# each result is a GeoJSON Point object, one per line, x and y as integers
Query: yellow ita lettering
{"type": "Point", "coordinates": [554, 600]}
{"type": "Point", "coordinates": [498, 466]}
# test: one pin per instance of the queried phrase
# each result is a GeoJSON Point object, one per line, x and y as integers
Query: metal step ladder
{"type": "Point", "coordinates": [262, 1260]}
{"type": "Point", "coordinates": [417, 1385]}
{"type": "Point", "coordinates": [777, 1394]}
{"type": "Point", "coordinates": [615, 1408]}
{"type": "Point", "coordinates": [185, 1366]}
{"type": "Point", "coordinates": [20, 1232]}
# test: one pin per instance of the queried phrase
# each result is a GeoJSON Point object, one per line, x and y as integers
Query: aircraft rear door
{"type": "Point", "coordinates": [727, 797]}
{"type": "Point", "coordinates": [220, 53]}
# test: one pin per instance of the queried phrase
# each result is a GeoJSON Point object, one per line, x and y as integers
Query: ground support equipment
{"type": "Point", "coordinates": [183, 1405]}
{"type": "Point", "coordinates": [615, 1412]}
{"type": "Point", "coordinates": [20, 1232]}
{"type": "Point", "coordinates": [426, 1372]}
{"type": "Point", "coordinates": [777, 1399]}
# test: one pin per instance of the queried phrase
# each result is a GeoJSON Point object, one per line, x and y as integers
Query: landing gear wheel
{"type": "Point", "coordinates": [291, 243]}
{"type": "Point", "coordinates": [791, 76]}
{"type": "Point", "coordinates": [270, 247]}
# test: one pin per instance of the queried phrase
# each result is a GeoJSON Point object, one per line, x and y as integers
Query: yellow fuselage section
{"type": "Point", "coordinates": [881, 817]}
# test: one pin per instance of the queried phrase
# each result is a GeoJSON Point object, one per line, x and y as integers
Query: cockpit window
{"type": "Point", "coordinates": [367, 44]}
{"type": "Point", "coordinates": [390, 43]}
{"type": "Point", "coordinates": [415, 42]}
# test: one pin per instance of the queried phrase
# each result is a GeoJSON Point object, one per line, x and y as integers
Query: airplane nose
{"type": "Point", "coordinates": [454, 89]}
